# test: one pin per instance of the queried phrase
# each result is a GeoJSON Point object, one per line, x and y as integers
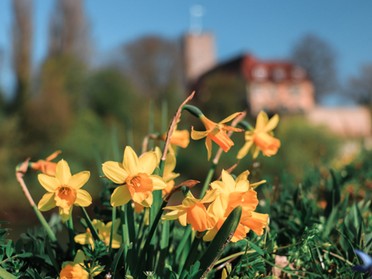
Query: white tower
{"type": "Point", "coordinates": [199, 46]}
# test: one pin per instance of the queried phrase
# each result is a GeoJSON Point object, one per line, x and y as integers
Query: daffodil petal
{"type": "Point", "coordinates": [130, 160]}
{"type": "Point", "coordinates": [148, 201]}
{"type": "Point", "coordinates": [47, 202]}
{"type": "Point", "coordinates": [172, 215]}
{"type": "Point", "coordinates": [231, 117]}
{"type": "Point", "coordinates": [49, 183]}
{"type": "Point", "coordinates": [182, 218]}
{"type": "Point", "coordinates": [65, 215]}
{"type": "Point", "coordinates": [210, 235]}
{"type": "Point", "coordinates": [157, 182]}
{"type": "Point", "coordinates": [273, 122]}
{"type": "Point", "coordinates": [170, 163]}
{"type": "Point", "coordinates": [114, 172]}
{"type": "Point", "coordinates": [243, 176]}
{"type": "Point", "coordinates": [208, 145]}
{"type": "Point", "coordinates": [120, 196]}
{"type": "Point", "coordinates": [197, 135]}
{"type": "Point", "coordinates": [256, 152]}
{"type": "Point", "coordinates": [147, 162]}
{"type": "Point", "coordinates": [63, 173]}
{"type": "Point", "coordinates": [83, 198]}
{"type": "Point", "coordinates": [261, 121]}
{"type": "Point", "coordinates": [228, 180]}
{"type": "Point", "coordinates": [78, 180]}
{"type": "Point", "coordinates": [82, 238]}
{"type": "Point", "coordinates": [218, 185]}
{"type": "Point", "coordinates": [244, 150]}
{"type": "Point", "coordinates": [210, 196]}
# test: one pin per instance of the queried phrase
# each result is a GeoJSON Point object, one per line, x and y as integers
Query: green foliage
{"type": "Point", "coordinates": [303, 147]}
{"type": "Point", "coordinates": [222, 94]}
{"type": "Point", "coordinates": [109, 93]}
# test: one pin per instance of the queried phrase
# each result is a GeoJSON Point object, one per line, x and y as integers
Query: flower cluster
{"type": "Point", "coordinates": [209, 213]}
{"type": "Point", "coordinates": [136, 181]}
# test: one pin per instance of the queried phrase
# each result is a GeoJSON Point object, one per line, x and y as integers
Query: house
{"type": "Point", "coordinates": [270, 85]}
{"type": "Point", "coordinates": [275, 86]}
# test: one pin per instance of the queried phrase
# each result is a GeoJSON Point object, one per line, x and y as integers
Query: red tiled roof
{"type": "Point", "coordinates": [273, 70]}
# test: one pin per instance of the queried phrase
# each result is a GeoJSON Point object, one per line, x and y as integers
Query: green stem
{"type": "Point", "coordinates": [150, 235]}
{"type": "Point", "coordinates": [71, 235]}
{"type": "Point", "coordinates": [123, 234]}
{"type": "Point", "coordinates": [245, 125]}
{"type": "Point", "coordinates": [113, 217]}
{"type": "Point", "coordinates": [90, 224]}
{"type": "Point", "coordinates": [208, 179]}
{"type": "Point", "coordinates": [193, 253]}
{"type": "Point", "coordinates": [45, 224]}
{"type": "Point", "coordinates": [193, 110]}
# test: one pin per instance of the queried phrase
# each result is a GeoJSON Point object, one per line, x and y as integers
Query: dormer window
{"type": "Point", "coordinates": [278, 74]}
{"type": "Point", "coordinates": [259, 72]}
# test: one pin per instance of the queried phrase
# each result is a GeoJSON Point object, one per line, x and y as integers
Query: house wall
{"type": "Point", "coordinates": [286, 96]}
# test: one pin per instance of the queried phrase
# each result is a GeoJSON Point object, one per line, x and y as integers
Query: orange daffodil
{"type": "Point", "coordinates": [64, 190]}
{"type": "Point", "coordinates": [135, 178]}
{"type": "Point", "coordinates": [193, 211]}
{"type": "Point", "coordinates": [216, 132]}
{"type": "Point", "coordinates": [77, 270]}
{"type": "Point", "coordinates": [104, 232]}
{"type": "Point", "coordinates": [261, 137]}
{"type": "Point", "coordinates": [209, 213]}
{"type": "Point", "coordinates": [232, 193]}
{"type": "Point", "coordinates": [46, 166]}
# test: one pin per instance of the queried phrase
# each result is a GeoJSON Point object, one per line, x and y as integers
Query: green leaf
{"type": "Point", "coordinates": [219, 242]}
{"type": "Point", "coordinates": [5, 274]}
{"type": "Point", "coordinates": [256, 248]}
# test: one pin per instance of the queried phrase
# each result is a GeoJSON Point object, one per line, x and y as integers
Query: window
{"type": "Point", "coordinates": [259, 72]}
{"type": "Point", "coordinates": [278, 74]}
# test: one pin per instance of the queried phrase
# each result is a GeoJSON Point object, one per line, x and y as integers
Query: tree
{"type": "Point", "coordinates": [154, 64]}
{"type": "Point", "coordinates": [318, 59]}
{"type": "Point", "coordinates": [68, 30]}
{"type": "Point", "coordinates": [22, 45]}
{"type": "Point", "coordinates": [360, 87]}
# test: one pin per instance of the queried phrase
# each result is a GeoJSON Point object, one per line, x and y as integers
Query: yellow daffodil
{"type": "Point", "coordinates": [168, 173]}
{"type": "Point", "coordinates": [64, 190]}
{"type": "Point", "coordinates": [135, 178]}
{"type": "Point", "coordinates": [216, 132]}
{"type": "Point", "coordinates": [192, 211]}
{"type": "Point", "coordinates": [232, 193]}
{"type": "Point", "coordinates": [104, 231]}
{"type": "Point", "coordinates": [46, 166]}
{"type": "Point", "coordinates": [261, 137]}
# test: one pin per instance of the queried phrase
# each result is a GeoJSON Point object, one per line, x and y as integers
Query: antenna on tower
{"type": "Point", "coordinates": [196, 15]}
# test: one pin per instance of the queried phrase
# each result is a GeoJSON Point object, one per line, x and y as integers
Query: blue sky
{"type": "Point", "coordinates": [266, 28]}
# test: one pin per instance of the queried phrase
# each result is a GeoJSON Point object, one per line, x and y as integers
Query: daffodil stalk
{"type": "Point", "coordinates": [245, 125]}
{"type": "Point", "coordinates": [90, 224]}
{"type": "Point", "coordinates": [113, 217]}
{"type": "Point", "coordinates": [20, 172]}
{"type": "Point", "coordinates": [193, 253]}
{"type": "Point", "coordinates": [171, 129]}
{"type": "Point", "coordinates": [71, 235]}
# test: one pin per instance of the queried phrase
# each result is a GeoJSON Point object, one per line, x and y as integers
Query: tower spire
{"type": "Point", "coordinates": [196, 16]}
